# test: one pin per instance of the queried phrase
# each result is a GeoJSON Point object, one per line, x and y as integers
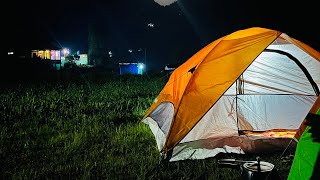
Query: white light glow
{"type": "Point", "coordinates": [66, 51]}
{"type": "Point", "coordinates": [165, 2]}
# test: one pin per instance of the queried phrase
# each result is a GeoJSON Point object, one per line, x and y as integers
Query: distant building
{"type": "Point", "coordinates": [54, 55]}
{"type": "Point", "coordinates": [171, 67]}
{"type": "Point", "coordinates": [47, 54]}
{"type": "Point", "coordinates": [57, 57]}
{"type": "Point", "coordinates": [131, 68]}
{"type": "Point", "coordinates": [83, 60]}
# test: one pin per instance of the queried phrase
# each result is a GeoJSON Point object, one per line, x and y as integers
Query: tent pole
{"type": "Point", "coordinates": [239, 90]}
{"type": "Point", "coordinates": [237, 106]}
{"type": "Point", "coordinates": [166, 156]}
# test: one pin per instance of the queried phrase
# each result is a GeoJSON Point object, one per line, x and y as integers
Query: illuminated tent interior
{"type": "Point", "coordinates": [246, 92]}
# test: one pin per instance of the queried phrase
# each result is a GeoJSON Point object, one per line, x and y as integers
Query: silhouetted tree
{"type": "Point", "coordinates": [96, 40]}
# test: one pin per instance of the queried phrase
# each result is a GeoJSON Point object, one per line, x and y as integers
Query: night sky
{"type": "Point", "coordinates": [170, 34]}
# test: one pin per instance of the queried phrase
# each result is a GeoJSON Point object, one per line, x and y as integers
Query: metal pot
{"type": "Point", "coordinates": [257, 170]}
{"type": "Point", "coordinates": [252, 170]}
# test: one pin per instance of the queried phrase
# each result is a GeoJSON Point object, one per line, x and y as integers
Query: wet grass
{"type": "Point", "coordinates": [89, 127]}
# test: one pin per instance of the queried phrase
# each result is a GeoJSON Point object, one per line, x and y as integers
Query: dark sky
{"type": "Point", "coordinates": [179, 31]}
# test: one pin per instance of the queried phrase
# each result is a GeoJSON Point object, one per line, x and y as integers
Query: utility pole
{"type": "Point", "coordinates": [145, 59]}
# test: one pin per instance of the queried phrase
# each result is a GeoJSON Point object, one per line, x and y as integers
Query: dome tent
{"type": "Point", "coordinates": [250, 81]}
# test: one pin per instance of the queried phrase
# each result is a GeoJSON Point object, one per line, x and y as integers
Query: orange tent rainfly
{"type": "Point", "coordinates": [248, 91]}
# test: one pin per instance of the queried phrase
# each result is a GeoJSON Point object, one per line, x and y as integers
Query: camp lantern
{"type": "Point", "coordinates": [248, 91]}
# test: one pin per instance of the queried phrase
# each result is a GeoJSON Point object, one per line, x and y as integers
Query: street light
{"type": "Point", "coordinates": [145, 55]}
{"type": "Point", "coordinates": [66, 52]}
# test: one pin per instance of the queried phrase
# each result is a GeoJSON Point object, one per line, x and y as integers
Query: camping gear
{"type": "Point", "coordinates": [306, 162]}
{"type": "Point", "coordinates": [251, 170]}
{"type": "Point", "coordinates": [259, 170]}
{"type": "Point", "coordinates": [245, 92]}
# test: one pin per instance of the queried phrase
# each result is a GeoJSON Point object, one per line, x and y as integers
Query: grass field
{"type": "Point", "coordinates": [88, 126]}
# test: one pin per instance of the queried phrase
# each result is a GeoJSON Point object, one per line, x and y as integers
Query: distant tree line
{"type": "Point", "coordinates": [98, 53]}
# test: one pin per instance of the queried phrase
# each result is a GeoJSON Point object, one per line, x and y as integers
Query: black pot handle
{"type": "Point", "coordinates": [258, 160]}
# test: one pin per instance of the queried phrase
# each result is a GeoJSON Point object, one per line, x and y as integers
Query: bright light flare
{"type": "Point", "coordinates": [66, 51]}
{"type": "Point", "coordinates": [141, 66]}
